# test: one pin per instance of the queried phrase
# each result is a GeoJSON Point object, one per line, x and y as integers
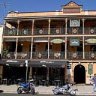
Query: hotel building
{"type": "Point", "coordinates": [53, 45]}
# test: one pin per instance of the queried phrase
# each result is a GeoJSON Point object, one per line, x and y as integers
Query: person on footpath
{"type": "Point", "coordinates": [93, 79]}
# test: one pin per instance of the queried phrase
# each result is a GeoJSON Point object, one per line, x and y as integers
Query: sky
{"type": "Point", "coordinates": [39, 5]}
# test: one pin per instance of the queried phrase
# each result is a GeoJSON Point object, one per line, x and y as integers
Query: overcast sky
{"type": "Point", "coordinates": [39, 5]}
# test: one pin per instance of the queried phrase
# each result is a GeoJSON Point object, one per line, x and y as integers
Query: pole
{"type": "Point", "coordinates": [47, 76]}
{"type": "Point", "coordinates": [26, 73]}
{"type": "Point", "coordinates": [26, 62]}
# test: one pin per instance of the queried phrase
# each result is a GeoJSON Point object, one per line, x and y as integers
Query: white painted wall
{"type": "Point", "coordinates": [1, 32]}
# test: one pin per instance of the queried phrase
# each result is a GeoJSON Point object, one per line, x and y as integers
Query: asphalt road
{"type": "Point", "coordinates": [11, 94]}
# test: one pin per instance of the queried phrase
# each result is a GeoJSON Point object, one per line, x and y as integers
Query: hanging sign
{"type": "Point", "coordinates": [74, 42]}
{"type": "Point", "coordinates": [74, 23]}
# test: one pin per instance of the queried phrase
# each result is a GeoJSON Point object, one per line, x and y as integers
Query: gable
{"type": "Point", "coordinates": [72, 7]}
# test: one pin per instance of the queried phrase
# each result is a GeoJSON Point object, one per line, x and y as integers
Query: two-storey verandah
{"type": "Point", "coordinates": [65, 39]}
{"type": "Point", "coordinates": [54, 36]}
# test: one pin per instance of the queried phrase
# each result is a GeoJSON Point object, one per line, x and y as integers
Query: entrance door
{"type": "Point", "coordinates": [79, 74]}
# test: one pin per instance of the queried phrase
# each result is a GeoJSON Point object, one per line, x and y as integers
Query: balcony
{"type": "Point", "coordinates": [53, 31]}
{"type": "Point", "coordinates": [40, 31]}
{"type": "Point", "coordinates": [25, 32]}
{"type": "Point", "coordinates": [10, 32]}
{"type": "Point", "coordinates": [13, 32]}
{"type": "Point", "coordinates": [75, 55]}
{"type": "Point", "coordinates": [40, 55]}
{"type": "Point", "coordinates": [13, 55]}
{"type": "Point", "coordinates": [8, 55]}
{"type": "Point", "coordinates": [75, 30]}
{"type": "Point", "coordinates": [57, 31]}
{"type": "Point", "coordinates": [90, 30]}
{"type": "Point", "coordinates": [57, 55]}
{"type": "Point", "coordinates": [90, 55]}
{"type": "Point", "coordinates": [22, 55]}
{"type": "Point", "coordinates": [52, 55]}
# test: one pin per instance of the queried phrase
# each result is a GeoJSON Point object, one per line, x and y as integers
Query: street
{"type": "Point", "coordinates": [10, 90]}
{"type": "Point", "coordinates": [12, 94]}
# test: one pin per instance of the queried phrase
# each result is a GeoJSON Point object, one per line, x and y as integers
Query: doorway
{"type": "Point", "coordinates": [56, 74]}
{"type": "Point", "coordinates": [79, 74]}
{"type": "Point", "coordinates": [41, 73]}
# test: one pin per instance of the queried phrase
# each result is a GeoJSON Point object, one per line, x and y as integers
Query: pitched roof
{"type": "Point", "coordinates": [72, 4]}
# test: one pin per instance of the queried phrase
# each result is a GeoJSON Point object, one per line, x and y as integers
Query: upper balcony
{"type": "Point", "coordinates": [75, 55]}
{"type": "Point", "coordinates": [25, 32]}
{"type": "Point", "coordinates": [90, 55]}
{"type": "Point", "coordinates": [52, 55]}
{"type": "Point", "coordinates": [75, 31]}
{"type": "Point", "coordinates": [15, 32]}
{"type": "Point", "coordinates": [14, 55]}
{"type": "Point", "coordinates": [10, 32]}
{"type": "Point", "coordinates": [40, 31]}
{"type": "Point", "coordinates": [57, 31]}
{"type": "Point", "coordinates": [53, 31]}
{"type": "Point", "coordinates": [90, 30]}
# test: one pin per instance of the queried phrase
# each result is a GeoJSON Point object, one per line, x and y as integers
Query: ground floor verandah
{"type": "Point", "coordinates": [47, 73]}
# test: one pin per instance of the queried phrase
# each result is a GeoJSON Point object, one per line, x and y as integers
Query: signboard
{"type": "Point", "coordinates": [90, 68]}
{"type": "Point", "coordinates": [68, 66]}
{"type": "Point", "coordinates": [74, 23]}
{"type": "Point", "coordinates": [57, 41]}
{"type": "Point", "coordinates": [91, 41]}
{"type": "Point", "coordinates": [74, 42]}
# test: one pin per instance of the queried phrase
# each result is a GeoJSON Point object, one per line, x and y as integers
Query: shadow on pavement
{"type": "Point", "coordinates": [1, 91]}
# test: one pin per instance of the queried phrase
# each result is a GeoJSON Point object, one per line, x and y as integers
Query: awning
{"type": "Point", "coordinates": [57, 41]}
{"type": "Point", "coordinates": [44, 63]}
{"type": "Point", "coordinates": [12, 63]}
{"type": "Point", "coordinates": [35, 63]}
{"type": "Point", "coordinates": [91, 40]}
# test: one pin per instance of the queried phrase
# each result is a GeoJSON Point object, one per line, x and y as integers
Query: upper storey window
{"type": "Point", "coordinates": [72, 7]}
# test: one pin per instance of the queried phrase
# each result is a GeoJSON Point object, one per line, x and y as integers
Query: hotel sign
{"type": "Point", "coordinates": [74, 23]}
{"type": "Point", "coordinates": [57, 41]}
{"type": "Point", "coordinates": [74, 42]}
{"type": "Point", "coordinates": [91, 41]}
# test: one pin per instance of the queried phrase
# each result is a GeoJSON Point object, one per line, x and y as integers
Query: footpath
{"type": "Point", "coordinates": [82, 89]}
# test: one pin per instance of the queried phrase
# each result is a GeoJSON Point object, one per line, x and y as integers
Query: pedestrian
{"type": "Point", "coordinates": [93, 79]}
